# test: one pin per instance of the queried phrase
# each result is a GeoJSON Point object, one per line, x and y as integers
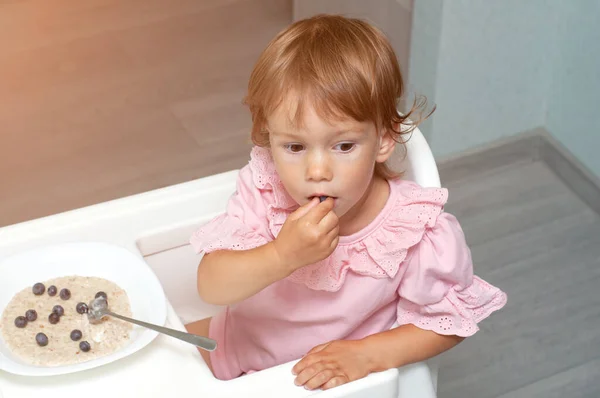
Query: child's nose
{"type": "Point", "coordinates": [318, 169]}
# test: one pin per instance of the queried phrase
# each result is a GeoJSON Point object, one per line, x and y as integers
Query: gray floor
{"type": "Point", "coordinates": [533, 237]}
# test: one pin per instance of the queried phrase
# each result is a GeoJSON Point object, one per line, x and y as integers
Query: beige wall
{"type": "Point", "coordinates": [101, 99]}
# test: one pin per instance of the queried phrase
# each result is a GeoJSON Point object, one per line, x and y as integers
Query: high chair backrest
{"type": "Point", "coordinates": [418, 162]}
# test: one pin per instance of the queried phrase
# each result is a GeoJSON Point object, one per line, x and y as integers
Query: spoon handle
{"type": "Point", "coordinates": [199, 341]}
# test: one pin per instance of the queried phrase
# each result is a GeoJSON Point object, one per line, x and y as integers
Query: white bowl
{"type": "Point", "coordinates": [126, 269]}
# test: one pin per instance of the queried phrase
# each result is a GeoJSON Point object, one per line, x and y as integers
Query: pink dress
{"type": "Point", "coordinates": [409, 265]}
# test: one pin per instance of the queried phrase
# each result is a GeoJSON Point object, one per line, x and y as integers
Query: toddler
{"type": "Point", "coordinates": [323, 248]}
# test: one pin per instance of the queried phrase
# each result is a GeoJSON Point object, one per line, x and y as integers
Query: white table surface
{"type": "Point", "coordinates": [166, 367]}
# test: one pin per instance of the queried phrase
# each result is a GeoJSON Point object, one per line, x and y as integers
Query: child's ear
{"type": "Point", "coordinates": [386, 146]}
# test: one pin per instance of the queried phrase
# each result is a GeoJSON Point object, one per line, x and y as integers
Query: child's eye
{"type": "Point", "coordinates": [345, 146]}
{"type": "Point", "coordinates": [294, 147]}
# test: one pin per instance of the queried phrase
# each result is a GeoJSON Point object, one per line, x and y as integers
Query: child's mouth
{"type": "Point", "coordinates": [321, 197]}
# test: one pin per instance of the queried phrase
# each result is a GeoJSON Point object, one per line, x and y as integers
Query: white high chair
{"type": "Point", "coordinates": [419, 162]}
{"type": "Point", "coordinates": [156, 226]}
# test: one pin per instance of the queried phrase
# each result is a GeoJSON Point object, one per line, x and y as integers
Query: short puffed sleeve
{"type": "Point", "coordinates": [439, 291]}
{"type": "Point", "coordinates": [244, 224]}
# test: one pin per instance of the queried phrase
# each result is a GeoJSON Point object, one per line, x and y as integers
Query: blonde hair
{"type": "Point", "coordinates": [344, 67]}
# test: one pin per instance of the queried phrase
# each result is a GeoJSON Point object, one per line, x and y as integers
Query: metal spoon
{"type": "Point", "coordinates": [98, 308]}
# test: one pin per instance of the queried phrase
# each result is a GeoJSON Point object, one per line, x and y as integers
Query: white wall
{"type": "Point", "coordinates": [497, 68]}
{"type": "Point", "coordinates": [491, 69]}
{"type": "Point", "coordinates": [573, 112]}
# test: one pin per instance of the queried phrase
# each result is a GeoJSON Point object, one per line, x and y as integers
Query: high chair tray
{"type": "Point", "coordinates": [156, 226]}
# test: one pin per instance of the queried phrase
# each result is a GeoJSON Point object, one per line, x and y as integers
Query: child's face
{"type": "Point", "coordinates": [335, 160]}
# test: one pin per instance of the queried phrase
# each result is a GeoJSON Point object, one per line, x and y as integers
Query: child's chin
{"type": "Point", "coordinates": [339, 211]}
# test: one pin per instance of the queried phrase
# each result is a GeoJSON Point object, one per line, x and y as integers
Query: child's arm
{"type": "Point", "coordinates": [229, 276]}
{"type": "Point", "coordinates": [404, 345]}
{"type": "Point", "coordinates": [339, 362]}
{"type": "Point", "coordinates": [310, 234]}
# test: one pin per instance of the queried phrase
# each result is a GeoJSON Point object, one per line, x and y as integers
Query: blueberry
{"type": "Point", "coordinates": [101, 294]}
{"type": "Point", "coordinates": [65, 294]}
{"type": "Point", "coordinates": [322, 198]}
{"type": "Point", "coordinates": [53, 318]}
{"type": "Point", "coordinates": [84, 346]}
{"type": "Point", "coordinates": [58, 310]}
{"type": "Point", "coordinates": [38, 289]}
{"type": "Point", "coordinates": [82, 308]}
{"type": "Point", "coordinates": [41, 339]}
{"type": "Point", "coordinates": [31, 315]}
{"type": "Point", "coordinates": [20, 321]}
{"type": "Point", "coordinates": [52, 291]}
{"type": "Point", "coordinates": [76, 335]}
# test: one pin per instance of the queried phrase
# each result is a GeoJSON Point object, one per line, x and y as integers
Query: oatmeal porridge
{"type": "Point", "coordinates": [47, 325]}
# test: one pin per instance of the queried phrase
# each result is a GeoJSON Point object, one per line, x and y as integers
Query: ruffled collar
{"type": "Point", "coordinates": [377, 250]}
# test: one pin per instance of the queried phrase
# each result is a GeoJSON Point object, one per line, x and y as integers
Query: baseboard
{"type": "Point", "coordinates": [508, 151]}
{"type": "Point", "coordinates": [570, 170]}
{"type": "Point", "coordinates": [528, 147]}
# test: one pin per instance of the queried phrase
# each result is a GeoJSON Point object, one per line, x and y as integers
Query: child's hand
{"type": "Point", "coordinates": [309, 234]}
{"type": "Point", "coordinates": [332, 364]}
